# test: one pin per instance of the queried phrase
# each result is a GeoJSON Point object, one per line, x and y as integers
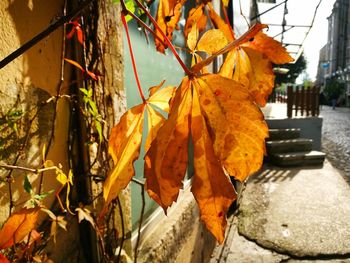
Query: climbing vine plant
{"type": "Point", "coordinates": [218, 111]}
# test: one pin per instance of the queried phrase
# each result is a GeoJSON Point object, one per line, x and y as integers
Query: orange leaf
{"type": "Point", "coordinates": [155, 121]}
{"type": "Point", "coordinates": [211, 188]}
{"type": "Point", "coordinates": [124, 146]}
{"type": "Point", "coordinates": [219, 23]}
{"type": "Point", "coordinates": [241, 144]}
{"type": "Point", "coordinates": [168, 15]}
{"type": "Point", "coordinates": [254, 71]}
{"type": "Point", "coordinates": [197, 17]}
{"type": "Point", "coordinates": [212, 41]}
{"type": "Point", "coordinates": [18, 226]}
{"type": "Point", "coordinates": [166, 160]}
{"type": "Point", "coordinates": [3, 259]}
{"type": "Point", "coordinates": [228, 66]}
{"type": "Point", "coordinates": [74, 63]}
{"type": "Point", "coordinates": [270, 47]}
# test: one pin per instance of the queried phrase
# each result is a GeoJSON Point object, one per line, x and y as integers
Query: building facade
{"type": "Point", "coordinates": [334, 61]}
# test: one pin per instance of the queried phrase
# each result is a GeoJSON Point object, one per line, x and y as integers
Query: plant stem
{"type": "Point", "coordinates": [170, 45]}
{"type": "Point", "coordinates": [143, 24]}
{"type": "Point", "coordinates": [125, 24]}
{"type": "Point", "coordinates": [52, 27]}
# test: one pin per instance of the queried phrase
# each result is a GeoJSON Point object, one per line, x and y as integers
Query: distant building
{"type": "Point", "coordinates": [335, 63]}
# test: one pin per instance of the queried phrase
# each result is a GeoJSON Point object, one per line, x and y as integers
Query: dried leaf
{"type": "Point", "coordinates": [241, 144]}
{"type": "Point", "coordinates": [212, 41]}
{"type": "Point", "coordinates": [166, 160]}
{"type": "Point", "coordinates": [168, 15]}
{"type": "Point", "coordinates": [124, 147]}
{"type": "Point", "coordinates": [74, 63]}
{"type": "Point", "coordinates": [211, 188]}
{"type": "Point", "coordinates": [85, 214]}
{"type": "Point", "coordinates": [273, 49]}
{"type": "Point", "coordinates": [197, 17]}
{"type": "Point", "coordinates": [18, 226]}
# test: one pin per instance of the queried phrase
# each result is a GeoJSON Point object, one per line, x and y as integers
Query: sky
{"type": "Point", "coordinates": [301, 12]}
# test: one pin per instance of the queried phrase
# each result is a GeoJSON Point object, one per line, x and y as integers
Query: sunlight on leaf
{"type": "Point", "coordinates": [166, 160]}
{"type": "Point", "coordinates": [211, 188]}
{"type": "Point", "coordinates": [124, 147]}
{"type": "Point", "coordinates": [18, 226]}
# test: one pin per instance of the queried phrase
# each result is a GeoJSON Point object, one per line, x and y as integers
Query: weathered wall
{"type": "Point", "coordinates": [27, 83]}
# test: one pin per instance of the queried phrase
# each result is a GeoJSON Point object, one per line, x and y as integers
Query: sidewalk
{"type": "Point", "coordinates": [299, 214]}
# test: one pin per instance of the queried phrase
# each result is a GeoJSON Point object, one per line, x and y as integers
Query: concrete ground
{"type": "Point", "coordinates": [290, 215]}
{"type": "Point", "coordinates": [299, 214]}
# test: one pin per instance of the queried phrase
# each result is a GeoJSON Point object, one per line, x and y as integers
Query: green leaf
{"type": "Point", "coordinates": [84, 91]}
{"type": "Point", "coordinates": [99, 129]}
{"type": "Point", "coordinates": [27, 185]}
{"type": "Point", "coordinates": [42, 196]}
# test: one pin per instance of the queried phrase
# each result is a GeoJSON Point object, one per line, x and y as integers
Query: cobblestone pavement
{"type": "Point", "coordinates": [336, 138]}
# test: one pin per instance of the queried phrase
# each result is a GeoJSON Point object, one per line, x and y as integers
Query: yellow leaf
{"type": "Point", "coordinates": [124, 146]}
{"type": "Point", "coordinates": [228, 66]}
{"type": "Point", "coordinates": [18, 226]}
{"type": "Point", "coordinates": [155, 121]}
{"type": "Point", "coordinates": [241, 144]}
{"type": "Point", "coordinates": [162, 97]}
{"type": "Point", "coordinates": [211, 188]}
{"type": "Point", "coordinates": [192, 37]}
{"type": "Point", "coordinates": [273, 49]}
{"type": "Point", "coordinates": [166, 160]}
{"type": "Point", "coordinates": [212, 41]}
{"type": "Point", "coordinates": [154, 89]}
{"type": "Point", "coordinates": [61, 177]}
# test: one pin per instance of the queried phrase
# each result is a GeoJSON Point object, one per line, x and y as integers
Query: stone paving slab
{"type": "Point", "coordinates": [302, 213]}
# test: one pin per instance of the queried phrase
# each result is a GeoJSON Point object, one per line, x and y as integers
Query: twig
{"type": "Point", "coordinates": [52, 27]}
{"type": "Point", "coordinates": [140, 223]}
{"type": "Point", "coordinates": [27, 169]}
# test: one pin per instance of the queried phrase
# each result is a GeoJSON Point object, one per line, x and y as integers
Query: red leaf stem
{"type": "Point", "coordinates": [125, 24]}
{"type": "Point", "coordinates": [172, 48]}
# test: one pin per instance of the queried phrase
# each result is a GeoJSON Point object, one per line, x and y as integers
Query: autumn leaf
{"type": "Point", "coordinates": [219, 23]}
{"type": "Point", "coordinates": [211, 187]}
{"type": "Point", "coordinates": [18, 226]}
{"type": "Point", "coordinates": [126, 138]}
{"type": "Point", "coordinates": [197, 17]}
{"type": "Point", "coordinates": [212, 41]}
{"type": "Point", "coordinates": [168, 15]}
{"type": "Point", "coordinates": [166, 160]}
{"type": "Point", "coordinates": [77, 65]}
{"type": "Point", "coordinates": [56, 221]}
{"type": "Point", "coordinates": [76, 29]}
{"type": "Point", "coordinates": [271, 48]}
{"type": "Point", "coordinates": [124, 147]}
{"type": "Point", "coordinates": [3, 259]}
{"type": "Point", "coordinates": [241, 144]}
{"type": "Point", "coordinates": [65, 181]}
{"type": "Point", "coordinates": [161, 98]}
{"type": "Point", "coordinates": [254, 71]}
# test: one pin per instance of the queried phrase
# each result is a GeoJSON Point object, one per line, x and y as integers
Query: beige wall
{"type": "Point", "coordinates": [27, 82]}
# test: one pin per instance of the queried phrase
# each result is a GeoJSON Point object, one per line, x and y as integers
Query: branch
{"type": "Point", "coordinates": [27, 169]}
{"type": "Point", "coordinates": [52, 27]}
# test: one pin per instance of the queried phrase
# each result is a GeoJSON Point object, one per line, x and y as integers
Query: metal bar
{"type": "Point", "coordinates": [268, 10]}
